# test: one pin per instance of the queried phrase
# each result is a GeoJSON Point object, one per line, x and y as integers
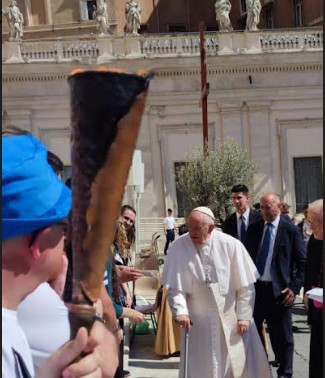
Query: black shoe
{"type": "Point", "coordinates": [126, 373]}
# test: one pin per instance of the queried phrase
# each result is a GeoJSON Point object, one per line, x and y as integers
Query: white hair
{"type": "Point", "coordinates": [316, 208]}
{"type": "Point", "coordinates": [208, 220]}
{"type": "Point", "coordinates": [273, 197]}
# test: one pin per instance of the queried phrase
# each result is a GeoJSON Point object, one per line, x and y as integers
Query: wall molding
{"type": "Point", "coordinates": [174, 73]}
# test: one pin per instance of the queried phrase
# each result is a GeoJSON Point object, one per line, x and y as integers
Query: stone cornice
{"type": "Point", "coordinates": [177, 73]}
{"type": "Point", "coordinates": [241, 70]}
{"type": "Point", "coordinates": [33, 77]}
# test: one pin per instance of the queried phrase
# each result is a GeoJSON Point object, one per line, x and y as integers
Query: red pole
{"type": "Point", "coordinates": [204, 90]}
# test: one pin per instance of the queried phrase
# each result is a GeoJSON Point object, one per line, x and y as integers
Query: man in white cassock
{"type": "Point", "coordinates": [210, 278]}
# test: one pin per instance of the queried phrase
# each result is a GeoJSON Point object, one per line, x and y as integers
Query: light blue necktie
{"type": "Point", "coordinates": [264, 251]}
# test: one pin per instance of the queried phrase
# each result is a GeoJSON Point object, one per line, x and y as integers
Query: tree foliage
{"type": "Point", "coordinates": [207, 181]}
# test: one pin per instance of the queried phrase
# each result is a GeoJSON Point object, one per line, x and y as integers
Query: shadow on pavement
{"type": "Point", "coordinates": [154, 365]}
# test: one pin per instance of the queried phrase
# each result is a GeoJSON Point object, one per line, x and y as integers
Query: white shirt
{"type": "Point", "coordinates": [267, 274]}
{"type": "Point", "coordinates": [44, 318]}
{"type": "Point", "coordinates": [246, 217]}
{"type": "Point", "coordinates": [170, 223]}
{"type": "Point", "coordinates": [13, 337]}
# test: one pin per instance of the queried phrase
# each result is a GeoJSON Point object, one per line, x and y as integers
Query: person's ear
{"type": "Point", "coordinates": [38, 244]}
{"type": "Point", "coordinates": [211, 228]}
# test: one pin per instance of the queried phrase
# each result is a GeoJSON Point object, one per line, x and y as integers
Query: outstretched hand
{"type": "Point", "coordinates": [126, 274]}
{"type": "Point", "coordinates": [134, 316]}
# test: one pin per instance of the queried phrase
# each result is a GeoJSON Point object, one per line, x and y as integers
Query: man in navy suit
{"type": "Point", "coordinates": [279, 252]}
{"type": "Point", "coordinates": [237, 223]}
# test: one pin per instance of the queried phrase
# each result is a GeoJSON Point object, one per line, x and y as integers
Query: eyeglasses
{"type": "Point", "coordinates": [195, 228]}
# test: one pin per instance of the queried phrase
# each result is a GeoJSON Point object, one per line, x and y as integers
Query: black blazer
{"type": "Point", "coordinates": [289, 255]}
{"type": "Point", "coordinates": [230, 224]}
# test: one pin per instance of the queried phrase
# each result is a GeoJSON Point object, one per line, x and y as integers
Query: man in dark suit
{"type": "Point", "coordinates": [279, 252]}
{"type": "Point", "coordinates": [237, 223]}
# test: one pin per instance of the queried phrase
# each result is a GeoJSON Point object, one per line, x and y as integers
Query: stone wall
{"type": "Point", "coordinates": [266, 96]}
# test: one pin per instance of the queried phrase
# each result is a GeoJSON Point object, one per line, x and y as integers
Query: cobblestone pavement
{"type": "Point", "coordinates": [143, 363]}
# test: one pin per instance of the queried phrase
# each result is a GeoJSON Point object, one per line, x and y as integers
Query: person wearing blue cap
{"type": "Point", "coordinates": [35, 204]}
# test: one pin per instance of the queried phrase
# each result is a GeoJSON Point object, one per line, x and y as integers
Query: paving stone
{"type": "Point", "coordinates": [144, 363]}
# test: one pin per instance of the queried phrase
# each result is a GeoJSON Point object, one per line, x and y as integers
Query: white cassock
{"type": "Point", "coordinates": [214, 285]}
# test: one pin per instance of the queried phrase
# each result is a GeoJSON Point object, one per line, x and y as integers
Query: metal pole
{"type": "Point", "coordinates": [137, 222]}
{"type": "Point", "coordinates": [186, 354]}
{"type": "Point", "coordinates": [204, 90]}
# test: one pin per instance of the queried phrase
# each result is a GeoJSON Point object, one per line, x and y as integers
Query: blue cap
{"type": "Point", "coordinates": [33, 197]}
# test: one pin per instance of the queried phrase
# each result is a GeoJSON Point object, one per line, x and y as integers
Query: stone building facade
{"type": "Point", "coordinates": [265, 91]}
{"type": "Point", "coordinates": [59, 18]}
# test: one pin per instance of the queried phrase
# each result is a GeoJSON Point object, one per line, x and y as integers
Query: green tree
{"type": "Point", "coordinates": [207, 181]}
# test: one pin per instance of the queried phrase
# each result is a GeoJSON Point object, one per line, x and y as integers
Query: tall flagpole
{"type": "Point", "coordinates": [204, 91]}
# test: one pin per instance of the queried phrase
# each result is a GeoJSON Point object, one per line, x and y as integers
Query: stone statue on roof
{"type": "Point", "coordinates": [133, 17]}
{"type": "Point", "coordinates": [101, 17]}
{"type": "Point", "coordinates": [15, 21]}
{"type": "Point", "coordinates": [253, 8]}
{"type": "Point", "coordinates": [223, 8]}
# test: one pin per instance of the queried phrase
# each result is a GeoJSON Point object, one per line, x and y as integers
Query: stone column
{"type": "Point", "coordinates": [48, 12]}
{"type": "Point", "coordinates": [28, 7]}
{"type": "Point", "coordinates": [265, 150]}
{"type": "Point", "coordinates": [111, 9]}
{"type": "Point", "coordinates": [246, 129]}
{"type": "Point", "coordinates": [231, 125]}
{"type": "Point", "coordinates": [83, 10]}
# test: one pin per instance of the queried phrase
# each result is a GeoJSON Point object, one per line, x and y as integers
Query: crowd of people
{"type": "Point", "coordinates": [37, 274]}
{"type": "Point", "coordinates": [223, 286]}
